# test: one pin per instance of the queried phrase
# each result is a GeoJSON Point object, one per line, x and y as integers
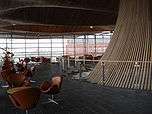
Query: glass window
{"type": "Point", "coordinates": [32, 50]}
{"type": "Point", "coordinates": [31, 45]}
{"type": "Point", "coordinates": [44, 45]}
{"type": "Point", "coordinates": [16, 41]}
{"type": "Point", "coordinates": [35, 41]}
{"type": "Point", "coordinates": [44, 40]}
{"type": "Point", "coordinates": [18, 50]}
{"type": "Point", "coordinates": [18, 45]}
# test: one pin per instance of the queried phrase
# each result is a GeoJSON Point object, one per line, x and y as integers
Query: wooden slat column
{"type": "Point", "coordinates": [131, 42]}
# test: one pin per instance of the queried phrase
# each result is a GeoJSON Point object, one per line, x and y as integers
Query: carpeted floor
{"type": "Point", "coordinates": [80, 97]}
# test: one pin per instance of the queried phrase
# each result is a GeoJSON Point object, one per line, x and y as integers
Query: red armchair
{"type": "Point", "coordinates": [14, 79]}
{"type": "Point", "coordinates": [24, 98]}
{"type": "Point", "coordinates": [52, 87]}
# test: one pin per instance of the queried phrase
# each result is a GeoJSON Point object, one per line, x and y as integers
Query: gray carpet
{"type": "Point", "coordinates": [80, 97]}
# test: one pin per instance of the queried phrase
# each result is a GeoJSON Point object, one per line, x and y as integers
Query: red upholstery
{"type": "Point", "coordinates": [53, 86]}
{"type": "Point", "coordinates": [45, 86]}
{"type": "Point", "coordinates": [24, 98]}
{"type": "Point", "coordinates": [13, 79]}
{"type": "Point", "coordinates": [17, 80]}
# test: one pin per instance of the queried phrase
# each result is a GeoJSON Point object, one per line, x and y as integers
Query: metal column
{"type": "Point", "coordinates": [50, 49]}
{"type": "Point", "coordinates": [74, 53]}
{"type": "Point", "coordinates": [95, 45]}
{"type": "Point", "coordinates": [38, 45]}
{"type": "Point", "coordinates": [11, 38]}
{"type": "Point", "coordinates": [103, 73]}
{"type": "Point", "coordinates": [63, 65]}
{"type": "Point", "coordinates": [6, 42]}
{"type": "Point", "coordinates": [84, 43]}
{"type": "Point", "coordinates": [25, 44]}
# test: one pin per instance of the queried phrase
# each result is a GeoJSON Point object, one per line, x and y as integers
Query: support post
{"type": "Point", "coordinates": [103, 73]}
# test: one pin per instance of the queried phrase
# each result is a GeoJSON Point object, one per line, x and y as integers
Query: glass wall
{"type": "Point", "coordinates": [94, 45]}
{"type": "Point", "coordinates": [54, 46]}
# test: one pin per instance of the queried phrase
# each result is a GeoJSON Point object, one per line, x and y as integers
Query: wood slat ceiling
{"type": "Point", "coordinates": [26, 14]}
{"type": "Point", "coordinates": [58, 29]}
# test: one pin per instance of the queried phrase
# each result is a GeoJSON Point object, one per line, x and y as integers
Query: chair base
{"type": "Point", "coordinates": [32, 81]}
{"type": "Point", "coordinates": [26, 112]}
{"type": "Point", "coordinates": [5, 86]}
{"type": "Point", "coordinates": [51, 101]}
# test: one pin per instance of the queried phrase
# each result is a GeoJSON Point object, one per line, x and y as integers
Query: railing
{"type": "Point", "coordinates": [124, 74]}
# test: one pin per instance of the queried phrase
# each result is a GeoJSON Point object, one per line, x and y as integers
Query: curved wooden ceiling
{"type": "Point", "coordinates": [57, 29]}
{"type": "Point", "coordinates": [57, 15]}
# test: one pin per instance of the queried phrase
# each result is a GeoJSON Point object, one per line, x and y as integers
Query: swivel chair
{"type": "Point", "coordinates": [24, 98]}
{"type": "Point", "coordinates": [52, 87]}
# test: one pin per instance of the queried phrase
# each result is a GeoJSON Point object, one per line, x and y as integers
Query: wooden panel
{"type": "Point", "coordinates": [56, 29]}
{"type": "Point", "coordinates": [131, 42]}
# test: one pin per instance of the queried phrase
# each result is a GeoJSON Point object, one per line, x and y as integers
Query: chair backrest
{"type": "Point", "coordinates": [17, 80]}
{"type": "Point", "coordinates": [24, 97]}
{"type": "Point", "coordinates": [13, 79]}
{"type": "Point", "coordinates": [56, 83]}
{"type": "Point", "coordinates": [6, 75]}
{"type": "Point", "coordinates": [53, 86]}
{"type": "Point", "coordinates": [56, 80]}
{"type": "Point", "coordinates": [45, 86]}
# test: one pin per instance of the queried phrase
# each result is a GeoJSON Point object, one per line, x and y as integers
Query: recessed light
{"type": "Point", "coordinates": [91, 27]}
